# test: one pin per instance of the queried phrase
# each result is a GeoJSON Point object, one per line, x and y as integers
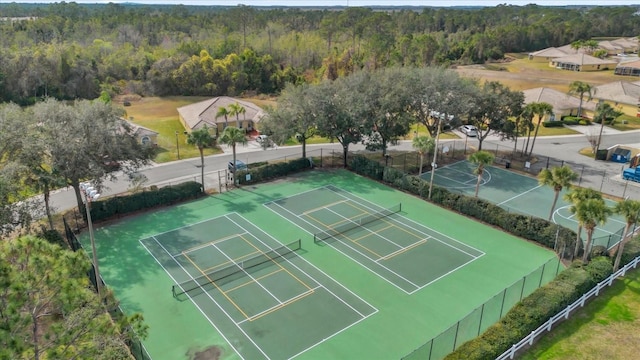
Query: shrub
{"type": "Point", "coordinates": [553, 124]}
{"type": "Point", "coordinates": [271, 171]}
{"type": "Point", "coordinates": [584, 122]}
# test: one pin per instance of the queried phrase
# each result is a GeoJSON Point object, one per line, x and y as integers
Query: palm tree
{"type": "Point", "coordinates": [580, 88]}
{"type": "Point", "coordinates": [590, 213]}
{"type": "Point", "coordinates": [223, 111]}
{"type": "Point", "coordinates": [526, 116]}
{"type": "Point", "coordinates": [201, 139]}
{"type": "Point", "coordinates": [575, 197]}
{"type": "Point", "coordinates": [232, 136]}
{"type": "Point", "coordinates": [541, 109]}
{"type": "Point", "coordinates": [237, 109]}
{"type": "Point", "coordinates": [630, 210]}
{"type": "Point", "coordinates": [423, 145]}
{"type": "Point", "coordinates": [604, 112]}
{"type": "Point", "coordinates": [480, 159]}
{"type": "Point", "coordinates": [557, 178]}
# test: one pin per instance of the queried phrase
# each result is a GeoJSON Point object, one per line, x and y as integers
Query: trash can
{"type": "Point", "coordinates": [507, 164]}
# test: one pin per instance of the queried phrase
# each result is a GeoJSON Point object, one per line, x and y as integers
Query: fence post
{"type": "Point", "coordinates": [524, 281]}
{"type": "Point", "coordinates": [504, 295]}
{"type": "Point", "coordinates": [480, 322]}
{"type": "Point", "coordinates": [604, 173]}
{"type": "Point", "coordinates": [455, 339]}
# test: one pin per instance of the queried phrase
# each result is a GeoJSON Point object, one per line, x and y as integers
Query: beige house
{"type": "Point", "coordinates": [623, 95]}
{"type": "Point", "coordinates": [611, 47]}
{"type": "Point", "coordinates": [563, 104]}
{"type": "Point", "coordinates": [629, 68]}
{"type": "Point", "coordinates": [629, 45]}
{"type": "Point", "coordinates": [196, 116]}
{"type": "Point", "coordinates": [582, 62]}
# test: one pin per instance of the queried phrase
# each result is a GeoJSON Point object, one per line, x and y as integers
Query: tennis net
{"type": "Point", "coordinates": [235, 268]}
{"type": "Point", "coordinates": [354, 223]}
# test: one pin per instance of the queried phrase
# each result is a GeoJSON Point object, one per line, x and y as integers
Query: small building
{"type": "Point", "coordinates": [582, 62]}
{"type": "Point", "coordinates": [144, 135]}
{"type": "Point", "coordinates": [563, 104]}
{"type": "Point", "coordinates": [196, 116]}
{"type": "Point", "coordinates": [629, 68]}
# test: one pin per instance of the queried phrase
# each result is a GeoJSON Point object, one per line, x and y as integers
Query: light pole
{"type": "Point", "coordinates": [91, 194]}
{"type": "Point", "coordinates": [177, 145]}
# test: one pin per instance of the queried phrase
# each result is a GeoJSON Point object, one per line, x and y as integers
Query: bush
{"type": "Point", "coordinates": [553, 124]}
{"type": "Point", "coordinates": [122, 205]}
{"type": "Point", "coordinates": [271, 171]}
{"type": "Point", "coordinates": [584, 122]}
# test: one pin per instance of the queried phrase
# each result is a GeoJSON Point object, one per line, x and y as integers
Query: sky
{"type": "Point", "coordinates": [350, 2]}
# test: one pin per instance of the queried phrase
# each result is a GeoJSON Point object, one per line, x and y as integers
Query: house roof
{"type": "Point", "coordinates": [629, 64]}
{"type": "Point", "coordinates": [619, 91]}
{"type": "Point", "coordinates": [610, 45]}
{"type": "Point", "coordinates": [137, 130]}
{"type": "Point", "coordinates": [626, 42]}
{"type": "Point", "coordinates": [552, 52]}
{"type": "Point", "coordinates": [204, 112]}
{"type": "Point", "coordinates": [559, 100]}
{"type": "Point", "coordinates": [583, 59]}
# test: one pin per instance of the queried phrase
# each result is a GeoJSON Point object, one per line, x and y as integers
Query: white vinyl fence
{"type": "Point", "coordinates": [564, 314]}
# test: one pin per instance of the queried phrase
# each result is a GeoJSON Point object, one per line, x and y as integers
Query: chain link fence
{"type": "Point", "coordinates": [490, 312]}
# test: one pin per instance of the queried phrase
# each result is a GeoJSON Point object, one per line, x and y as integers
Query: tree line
{"type": "Point", "coordinates": [70, 51]}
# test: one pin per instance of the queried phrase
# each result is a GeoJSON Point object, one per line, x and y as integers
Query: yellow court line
{"type": "Point", "coordinates": [232, 261]}
{"type": "Point", "coordinates": [253, 282]}
{"type": "Point", "coordinates": [324, 206]}
{"type": "Point", "coordinates": [362, 246]}
{"type": "Point", "coordinates": [288, 272]}
{"type": "Point", "coordinates": [198, 247]}
{"type": "Point", "coordinates": [218, 287]}
{"type": "Point", "coordinates": [398, 252]}
{"type": "Point", "coordinates": [278, 307]}
{"type": "Point", "coordinates": [418, 236]}
{"type": "Point", "coordinates": [318, 221]}
{"type": "Point", "coordinates": [371, 232]}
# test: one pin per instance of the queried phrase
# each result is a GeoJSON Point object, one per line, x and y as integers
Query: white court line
{"type": "Point", "coordinates": [354, 260]}
{"type": "Point", "coordinates": [304, 272]}
{"type": "Point", "coordinates": [388, 256]}
{"type": "Point", "coordinates": [517, 196]}
{"type": "Point", "coordinates": [363, 227]}
{"type": "Point", "coordinates": [210, 243]}
{"type": "Point", "coordinates": [190, 298]}
{"type": "Point", "coordinates": [571, 219]}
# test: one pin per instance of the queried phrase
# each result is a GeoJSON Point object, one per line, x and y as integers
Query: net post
{"type": "Point", "coordinates": [400, 208]}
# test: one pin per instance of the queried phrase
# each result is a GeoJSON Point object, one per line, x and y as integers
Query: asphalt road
{"type": "Point", "coordinates": [557, 147]}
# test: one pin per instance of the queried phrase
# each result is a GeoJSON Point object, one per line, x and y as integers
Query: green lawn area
{"type": "Point", "coordinates": [627, 122]}
{"type": "Point", "coordinates": [606, 328]}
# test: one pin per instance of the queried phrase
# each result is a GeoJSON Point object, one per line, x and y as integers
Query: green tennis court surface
{"type": "Point", "coordinates": [407, 254]}
{"type": "Point", "coordinates": [519, 193]}
{"type": "Point", "coordinates": [255, 291]}
{"type": "Point", "coordinates": [224, 276]}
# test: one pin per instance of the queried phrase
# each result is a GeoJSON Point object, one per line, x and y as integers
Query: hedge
{"type": "Point", "coordinates": [122, 205]}
{"type": "Point", "coordinates": [555, 123]}
{"type": "Point", "coordinates": [272, 171]}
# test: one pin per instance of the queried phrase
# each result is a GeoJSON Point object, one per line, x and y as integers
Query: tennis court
{"type": "Point", "coordinates": [254, 290]}
{"type": "Point", "coordinates": [517, 193]}
{"type": "Point", "coordinates": [408, 255]}
{"type": "Point", "coordinates": [224, 276]}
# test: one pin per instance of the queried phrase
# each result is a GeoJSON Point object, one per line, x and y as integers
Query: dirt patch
{"type": "Point", "coordinates": [130, 98]}
{"type": "Point", "coordinates": [210, 353]}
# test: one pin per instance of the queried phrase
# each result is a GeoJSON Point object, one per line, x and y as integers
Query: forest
{"type": "Point", "coordinates": [70, 51]}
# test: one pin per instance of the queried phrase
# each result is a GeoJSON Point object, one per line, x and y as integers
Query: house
{"type": "Point", "coordinates": [611, 47]}
{"type": "Point", "coordinates": [145, 136]}
{"type": "Point", "coordinates": [196, 116]}
{"type": "Point", "coordinates": [551, 53]}
{"type": "Point", "coordinates": [618, 92]}
{"type": "Point", "coordinates": [582, 62]}
{"type": "Point", "coordinates": [563, 104]}
{"type": "Point", "coordinates": [629, 68]}
{"type": "Point", "coordinates": [629, 45]}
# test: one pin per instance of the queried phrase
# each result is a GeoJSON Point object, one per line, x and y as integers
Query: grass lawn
{"type": "Point", "coordinates": [607, 328]}
{"type": "Point", "coordinates": [632, 123]}
{"type": "Point", "coordinates": [161, 115]}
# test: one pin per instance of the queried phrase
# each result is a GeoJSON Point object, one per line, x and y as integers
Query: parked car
{"type": "Point", "coordinates": [238, 166]}
{"type": "Point", "coordinates": [262, 138]}
{"type": "Point", "coordinates": [469, 130]}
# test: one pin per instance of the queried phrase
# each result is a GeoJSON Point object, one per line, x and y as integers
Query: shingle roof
{"type": "Point", "coordinates": [584, 59]}
{"type": "Point", "coordinates": [559, 100]}
{"type": "Point", "coordinates": [629, 64]}
{"type": "Point", "coordinates": [620, 92]}
{"type": "Point", "coordinates": [609, 45]}
{"type": "Point", "coordinates": [204, 112]}
{"type": "Point", "coordinates": [552, 52]}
